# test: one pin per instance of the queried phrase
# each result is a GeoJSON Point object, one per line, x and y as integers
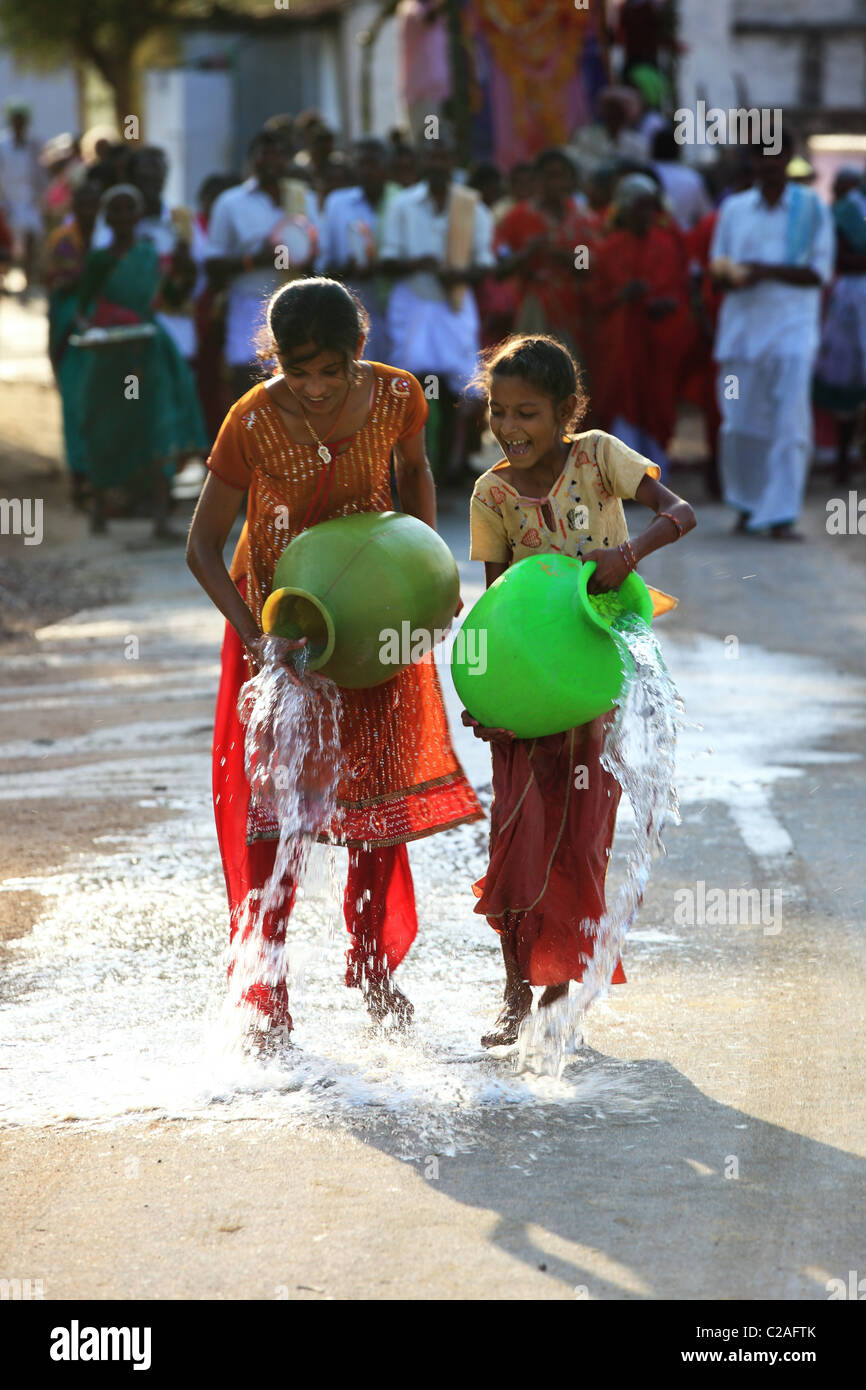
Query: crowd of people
{"type": "Point", "coordinates": [668, 285]}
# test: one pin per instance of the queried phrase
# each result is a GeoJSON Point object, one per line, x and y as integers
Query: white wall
{"type": "Point", "coordinates": [191, 115]}
{"type": "Point", "coordinates": [791, 11]}
{"type": "Point", "coordinates": [387, 107]}
{"type": "Point", "coordinates": [844, 76]}
{"type": "Point", "coordinates": [770, 65]}
{"type": "Point", "coordinates": [52, 96]}
{"type": "Point", "coordinates": [705, 68]}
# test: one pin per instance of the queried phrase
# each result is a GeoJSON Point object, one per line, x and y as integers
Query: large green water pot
{"type": "Point", "coordinates": [371, 593]}
{"type": "Point", "coordinates": [534, 656]}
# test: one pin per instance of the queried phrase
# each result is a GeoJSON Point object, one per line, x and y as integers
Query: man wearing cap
{"type": "Point", "coordinates": [21, 186]}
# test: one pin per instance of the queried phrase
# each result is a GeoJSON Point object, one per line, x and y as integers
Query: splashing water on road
{"type": "Point", "coordinates": [115, 1005]}
{"type": "Point", "coordinates": [640, 752]}
{"type": "Point", "coordinates": [293, 764]}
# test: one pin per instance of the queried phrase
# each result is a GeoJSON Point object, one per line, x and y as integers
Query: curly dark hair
{"type": "Point", "coordinates": [543, 362]}
{"type": "Point", "coordinates": [313, 310]}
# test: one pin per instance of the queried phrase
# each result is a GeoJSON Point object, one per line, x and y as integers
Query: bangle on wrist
{"type": "Point", "coordinates": [672, 518]}
{"type": "Point", "coordinates": [627, 554]}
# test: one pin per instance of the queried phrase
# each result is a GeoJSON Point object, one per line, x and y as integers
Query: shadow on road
{"type": "Point", "coordinates": [654, 1190]}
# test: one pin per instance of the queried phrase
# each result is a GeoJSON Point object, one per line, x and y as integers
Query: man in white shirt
{"type": "Point", "coordinates": [245, 238]}
{"type": "Point", "coordinates": [351, 237]}
{"type": "Point", "coordinates": [437, 243]}
{"type": "Point", "coordinates": [22, 182]}
{"type": "Point", "coordinates": [772, 250]}
{"type": "Point", "coordinates": [684, 188]}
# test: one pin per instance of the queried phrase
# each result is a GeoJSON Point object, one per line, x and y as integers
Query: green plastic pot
{"type": "Point", "coordinates": [371, 593]}
{"type": "Point", "coordinates": [535, 657]}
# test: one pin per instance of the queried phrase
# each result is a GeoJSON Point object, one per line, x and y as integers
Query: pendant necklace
{"type": "Point", "coordinates": [323, 451]}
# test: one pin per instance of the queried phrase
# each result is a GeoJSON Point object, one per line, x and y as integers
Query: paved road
{"type": "Point", "coordinates": [708, 1143]}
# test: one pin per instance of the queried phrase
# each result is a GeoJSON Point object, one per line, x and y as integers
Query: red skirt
{"type": "Point", "coordinates": [379, 901]}
{"type": "Point", "coordinates": [551, 831]}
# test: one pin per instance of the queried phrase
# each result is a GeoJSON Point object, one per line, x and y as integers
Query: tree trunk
{"type": "Point", "coordinates": [122, 80]}
{"type": "Point", "coordinates": [115, 67]}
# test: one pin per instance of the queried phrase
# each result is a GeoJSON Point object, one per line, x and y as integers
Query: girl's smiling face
{"type": "Point", "coordinates": [525, 422]}
{"type": "Point", "coordinates": [318, 379]}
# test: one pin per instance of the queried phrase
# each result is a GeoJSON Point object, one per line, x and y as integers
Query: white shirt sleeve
{"type": "Point", "coordinates": [327, 236]}
{"type": "Point", "coordinates": [221, 240]}
{"type": "Point", "coordinates": [482, 251]}
{"type": "Point", "coordinates": [721, 242]}
{"type": "Point", "coordinates": [823, 257]}
{"type": "Point", "coordinates": [393, 236]}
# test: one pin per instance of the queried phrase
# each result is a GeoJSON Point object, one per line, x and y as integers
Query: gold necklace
{"type": "Point", "coordinates": [323, 451]}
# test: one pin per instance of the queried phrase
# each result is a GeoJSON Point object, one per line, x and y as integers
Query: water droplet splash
{"type": "Point", "coordinates": [640, 752]}
{"type": "Point", "coordinates": [293, 765]}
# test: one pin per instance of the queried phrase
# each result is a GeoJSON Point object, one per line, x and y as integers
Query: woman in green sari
{"type": "Point", "coordinates": [65, 255]}
{"type": "Point", "coordinates": [139, 409]}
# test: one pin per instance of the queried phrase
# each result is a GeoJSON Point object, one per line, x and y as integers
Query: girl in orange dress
{"type": "Point", "coordinates": [401, 779]}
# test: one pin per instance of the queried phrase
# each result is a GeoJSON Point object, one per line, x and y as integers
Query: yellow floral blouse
{"type": "Point", "coordinates": [584, 504]}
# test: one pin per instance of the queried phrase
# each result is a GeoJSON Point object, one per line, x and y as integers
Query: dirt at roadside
{"type": "Point", "coordinates": [44, 582]}
{"type": "Point", "coordinates": [41, 584]}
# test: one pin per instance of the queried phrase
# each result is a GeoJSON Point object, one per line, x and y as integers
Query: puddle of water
{"type": "Point", "coordinates": [111, 1007]}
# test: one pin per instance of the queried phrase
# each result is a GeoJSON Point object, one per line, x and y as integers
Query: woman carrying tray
{"type": "Point", "coordinates": [309, 444]}
{"type": "Point", "coordinates": [139, 409]}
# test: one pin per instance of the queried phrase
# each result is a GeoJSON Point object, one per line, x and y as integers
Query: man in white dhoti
{"type": "Point", "coordinates": [352, 227]}
{"type": "Point", "coordinates": [437, 243]}
{"type": "Point", "coordinates": [22, 182]}
{"type": "Point", "coordinates": [772, 251]}
{"type": "Point", "coordinates": [249, 250]}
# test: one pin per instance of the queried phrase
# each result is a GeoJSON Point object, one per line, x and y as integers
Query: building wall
{"type": "Point", "coordinates": [813, 59]}
{"type": "Point", "coordinates": [273, 74]}
{"type": "Point", "coordinates": [53, 97]}
{"type": "Point", "coordinates": [800, 60]}
{"type": "Point", "coordinates": [797, 11]}
{"type": "Point", "coordinates": [387, 106]}
{"type": "Point", "coordinates": [844, 64]}
{"type": "Point", "coordinates": [704, 69]}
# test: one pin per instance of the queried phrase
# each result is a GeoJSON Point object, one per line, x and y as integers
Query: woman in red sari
{"type": "Point", "coordinates": [639, 288]}
{"type": "Point", "coordinates": [401, 779]}
{"type": "Point", "coordinates": [539, 242]}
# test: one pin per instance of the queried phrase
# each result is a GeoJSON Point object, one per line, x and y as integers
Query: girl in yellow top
{"type": "Point", "coordinates": [551, 831]}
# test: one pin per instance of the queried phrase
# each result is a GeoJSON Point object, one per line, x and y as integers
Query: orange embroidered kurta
{"type": "Point", "coordinates": [401, 778]}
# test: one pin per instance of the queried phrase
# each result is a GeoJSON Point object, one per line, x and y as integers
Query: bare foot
{"type": "Point", "coordinates": [267, 1042]}
{"type": "Point", "coordinates": [551, 994]}
{"type": "Point", "coordinates": [515, 1008]}
{"type": "Point", "coordinates": [384, 1000]}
